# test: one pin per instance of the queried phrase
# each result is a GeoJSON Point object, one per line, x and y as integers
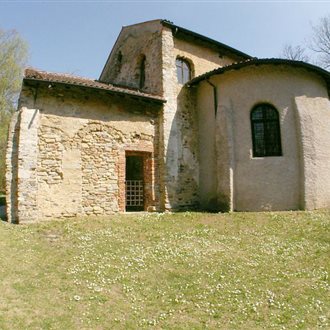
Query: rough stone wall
{"type": "Point", "coordinates": [12, 168]}
{"type": "Point", "coordinates": [252, 183]}
{"type": "Point", "coordinates": [179, 129]}
{"type": "Point", "coordinates": [123, 65]}
{"type": "Point", "coordinates": [170, 128]}
{"type": "Point", "coordinates": [180, 120]}
{"type": "Point", "coordinates": [21, 161]}
{"type": "Point", "coordinates": [100, 157]}
{"type": "Point", "coordinates": [27, 209]}
{"type": "Point", "coordinates": [77, 163]}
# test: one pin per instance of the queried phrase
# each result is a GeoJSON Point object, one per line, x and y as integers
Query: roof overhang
{"type": "Point", "coordinates": [258, 62]}
{"type": "Point", "coordinates": [45, 78]}
{"type": "Point", "coordinates": [181, 32]}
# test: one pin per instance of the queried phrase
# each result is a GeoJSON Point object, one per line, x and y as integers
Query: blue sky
{"type": "Point", "coordinates": [77, 36]}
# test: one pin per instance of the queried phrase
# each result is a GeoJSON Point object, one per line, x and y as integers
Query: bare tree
{"type": "Point", "coordinates": [296, 53]}
{"type": "Point", "coordinates": [320, 42]}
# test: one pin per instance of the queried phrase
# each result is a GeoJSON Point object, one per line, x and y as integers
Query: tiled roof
{"type": "Point", "coordinates": [264, 61]}
{"type": "Point", "coordinates": [43, 76]}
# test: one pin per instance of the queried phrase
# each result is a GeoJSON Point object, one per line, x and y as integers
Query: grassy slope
{"type": "Point", "coordinates": [173, 271]}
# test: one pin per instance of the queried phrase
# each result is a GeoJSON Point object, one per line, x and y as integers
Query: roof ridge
{"type": "Point", "coordinates": [30, 70]}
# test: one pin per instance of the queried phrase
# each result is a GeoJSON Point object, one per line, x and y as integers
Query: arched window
{"type": "Point", "coordinates": [119, 57]}
{"type": "Point", "coordinates": [183, 70]}
{"type": "Point", "coordinates": [142, 71]}
{"type": "Point", "coordinates": [118, 63]}
{"type": "Point", "coordinates": [266, 135]}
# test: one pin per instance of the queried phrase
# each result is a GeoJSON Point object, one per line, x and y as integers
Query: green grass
{"type": "Point", "coordinates": [167, 271]}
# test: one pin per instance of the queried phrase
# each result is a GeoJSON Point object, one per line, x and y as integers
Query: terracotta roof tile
{"type": "Point", "coordinates": [33, 74]}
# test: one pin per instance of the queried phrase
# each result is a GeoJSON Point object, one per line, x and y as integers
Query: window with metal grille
{"type": "Point", "coordinates": [266, 135]}
{"type": "Point", "coordinates": [134, 194]}
{"type": "Point", "coordinates": [134, 183]}
{"type": "Point", "coordinates": [183, 70]}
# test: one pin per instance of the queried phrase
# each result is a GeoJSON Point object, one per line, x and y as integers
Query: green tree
{"type": "Point", "coordinates": [13, 57]}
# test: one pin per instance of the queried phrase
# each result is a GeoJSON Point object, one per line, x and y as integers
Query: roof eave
{"type": "Point", "coordinates": [237, 66]}
{"type": "Point", "coordinates": [109, 91]}
{"type": "Point", "coordinates": [177, 29]}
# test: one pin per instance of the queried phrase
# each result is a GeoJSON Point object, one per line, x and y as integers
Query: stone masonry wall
{"type": "Point", "coordinates": [124, 64]}
{"type": "Point", "coordinates": [12, 168]}
{"type": "Point", "coordinates": [79, 156]}
{"type": "Point", "coordinates": [180, 119]}
{"type": "Point", "coordinates": [99, 157]}
{"type": "Point", "coordinates": [179, 129]}
{"type": "Point", "coordinates": [27, 208]}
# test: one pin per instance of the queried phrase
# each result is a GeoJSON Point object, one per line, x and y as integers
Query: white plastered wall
{"type": "Point", "coordinates": [297, 179]}
{"type": "Point", "coordinates": [314, 119]}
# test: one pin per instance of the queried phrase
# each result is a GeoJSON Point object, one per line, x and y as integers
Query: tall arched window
{"type": "Point", "coordinates": [266, 135]}
{"type": "Point", "coordinates": [118, 63]}
{"type": "Point", "coordinates": [142, 71]}
{"type": "Point", "coordinates": [183, 70]}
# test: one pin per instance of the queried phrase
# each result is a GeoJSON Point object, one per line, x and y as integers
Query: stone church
{"type": "Point", "coordinates": [176, 121]}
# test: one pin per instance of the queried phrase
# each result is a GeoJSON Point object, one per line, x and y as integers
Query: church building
{"type": "Point", "coordinates": [176, 121]}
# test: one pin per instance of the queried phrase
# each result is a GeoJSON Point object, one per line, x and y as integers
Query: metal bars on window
{"type": "Point", "coordinates": [134, 193]}
{"type": "Point", "coordinates": [266, 135]}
